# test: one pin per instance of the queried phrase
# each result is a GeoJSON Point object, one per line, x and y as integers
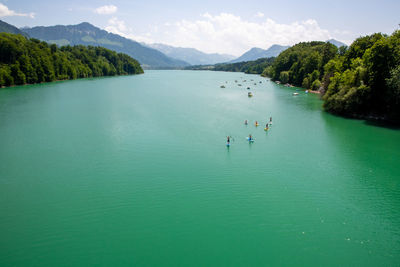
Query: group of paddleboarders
{"type": "Point", "coordinates": [250, 137]}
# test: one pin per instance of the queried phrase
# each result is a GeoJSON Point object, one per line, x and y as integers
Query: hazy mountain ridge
{"type": "Point", "coordinates": [87, 34]}
{"type": "Point", "coordinates": [336, 42]}
{"type": "Point", "coordinates": [257, 53]}
{"type": "Point", "coordinates": [191, 55]}
{"type": "Point", "coordinates": [8, 28]}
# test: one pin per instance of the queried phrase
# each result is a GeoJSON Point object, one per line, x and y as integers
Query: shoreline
{"type": "Point", "coordinates": [105, 76]}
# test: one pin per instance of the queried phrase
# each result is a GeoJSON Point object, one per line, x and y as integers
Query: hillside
{"type": "Point", "coordinates": [31, 61]}
{"type": "Point", "coordinates": [191, 55]}
{"type": "Point", "coordinates": [249, 67]}
{"type": "Point", "coordinates": [361, 81]}
{"type": "Point", "coordinates": [87, 34]}
{"type": "Point", "coordinates": [256, 53]}
{"type": "Point", "coordinates": [8, 28]}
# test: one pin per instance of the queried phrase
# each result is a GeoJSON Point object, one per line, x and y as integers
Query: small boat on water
{"type": "Point", "coordinates": [249, 94]}
{"type": "Point", "coordinates": [295, 93]}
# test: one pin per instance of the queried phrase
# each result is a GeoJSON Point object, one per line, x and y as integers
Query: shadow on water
{"type": "Point", "coordinates": [384, 124]}
{"type": "Point", "coordinates": [392, 125]}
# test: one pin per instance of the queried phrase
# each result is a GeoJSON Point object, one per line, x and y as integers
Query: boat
{"type": "Point", "coordinates": [295, 93]}
{"type": "Point", "coordinates": [249, 94]}
{"type": "Point", "coordinates": [266, 129]}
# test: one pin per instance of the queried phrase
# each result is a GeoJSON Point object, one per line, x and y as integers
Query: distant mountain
{"type": "Point", "coordinates": [87, 34]}
{"type": "Point", "coordinates": [336, 42]}
{"type": "Point", "coordinates": [256, 53]}
{"type": "Point", "coordinates": [191, 55]}
{"type": "Point", "coordinates": [5, 27]}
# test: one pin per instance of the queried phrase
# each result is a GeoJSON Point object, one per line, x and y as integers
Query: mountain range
{"type": "Point", "coordinates": [256, 53]}
{"type": "Point", "coordinates": [191, 55]}
{"type": "Point", "coordinates": [154, 56]}
{"type": "Point", "coordinates": [87, 34]}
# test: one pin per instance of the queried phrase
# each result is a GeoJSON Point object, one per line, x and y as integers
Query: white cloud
{"type": "Point", "coordinates": [228, 33]}
{"type": "Point", "coordinates": [106, 10]}
{"type": "Point", "coordinates": [259, 15]}
{"type": "Point", "coordinates": [119, 27]}
{"type": "Point", "coordinates": [5, 12]}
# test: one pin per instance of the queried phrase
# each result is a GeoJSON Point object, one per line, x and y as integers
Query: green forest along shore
{"type": "Point", "coordinates": [361, 81]}
{"type": "Point", "coordinates": [30, 61]}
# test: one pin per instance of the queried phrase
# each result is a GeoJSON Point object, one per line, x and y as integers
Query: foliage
{"type": "Point", "coordinates": [284, 76]}
{"type": "Point", "coordinates": [32, 61]}
{"type": "Point", "coordinates": [365, 80]}
{"type": "Point", "coordinates": [249, 67]}
{"type": "Point", "coordinates": [304, 62]}
{"type": "Point", "coordinates": [360, 80]}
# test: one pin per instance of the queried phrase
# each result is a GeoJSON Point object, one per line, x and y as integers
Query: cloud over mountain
{"type": "Point", "coordinates": [228, 33]}
{"type": "Point", "coordinates": [5, 12]}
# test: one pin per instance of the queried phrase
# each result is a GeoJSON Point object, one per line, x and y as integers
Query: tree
{"type": "Point", "coordinates": [284, 77]}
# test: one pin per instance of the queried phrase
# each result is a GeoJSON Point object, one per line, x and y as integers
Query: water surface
{"type": "Point", "coordinates": [134, 170]}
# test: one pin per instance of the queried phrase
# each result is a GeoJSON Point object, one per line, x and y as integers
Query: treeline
{"type": "Point", "coordinates": [249, 67]}
{"type": "Point", "coordinates": [28, 61]}
{"type": "Point", "coordinates": [303, 64]}
{"type": "Point", "coordinates": [362, 80]}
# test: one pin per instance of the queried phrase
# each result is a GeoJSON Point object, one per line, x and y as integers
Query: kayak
{"type": "Point", "coordinates": [266, 129]}
{"type": "Point", "coordinates": [227, 144]}
{"type": "Point", "coordinates": [250, 140]}
{"type": "Point", "coordinates": [256, 124]}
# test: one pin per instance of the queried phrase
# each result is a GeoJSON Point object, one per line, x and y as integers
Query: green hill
{"type": "Point", "coordinates": [249, 67]}
{"type": "Point", "coordinates": [31, 61]}
{"type": "Point", "coordinates": [87, 34]}
{"type": "Point", "coordinates": [8, 28]}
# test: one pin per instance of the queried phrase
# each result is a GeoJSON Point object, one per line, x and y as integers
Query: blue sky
{"type": "Point", "coordinates": [214, 26]}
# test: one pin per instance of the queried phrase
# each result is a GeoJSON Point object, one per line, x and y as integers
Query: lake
{"type": "Point", "coordinates": [135, 170]}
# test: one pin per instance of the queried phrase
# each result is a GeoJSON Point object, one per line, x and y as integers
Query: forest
{"type": "Point", "coordinates": [362, 80]}
{"type": "Point", "coordinates": [249, 67]}
{"type": "Point", "coordinates": [29, 61]}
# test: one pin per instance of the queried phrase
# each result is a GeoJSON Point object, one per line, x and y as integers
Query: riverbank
{"type": "Point", "coordinates": [64, 80]}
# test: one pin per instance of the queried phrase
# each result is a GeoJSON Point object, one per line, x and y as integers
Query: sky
{"type": "Point", "coordinates": [213, 26]}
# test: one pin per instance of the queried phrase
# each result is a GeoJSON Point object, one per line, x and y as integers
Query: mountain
{"type": "Point", "coordinates": [336, 42]}
{"type": "Point", "coordinates": [256, 53]}
{"type": "Point", "coordinates": [8, 28]}
{"type": "Point", "coordinates": [87, 34]}
{"type": "Point", "coordinates": [191, 55]}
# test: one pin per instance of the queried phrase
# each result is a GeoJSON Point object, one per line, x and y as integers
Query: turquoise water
{"type": "Point", "coordinates": [134, 170]}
